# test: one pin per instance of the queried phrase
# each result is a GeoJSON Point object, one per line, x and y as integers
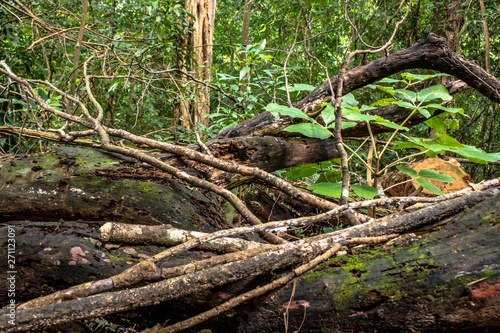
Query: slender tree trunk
{"type": "Point", "coordinates": [76, 62]}
{"type": "Point", "coordinates": [201, 39]}
{"type": "Point", "coordinates": [245, 39]}
{"type": "Point", "coordinates": [486, 38]}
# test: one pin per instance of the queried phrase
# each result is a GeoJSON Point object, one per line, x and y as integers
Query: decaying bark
{"type": "Point", "coordinates": [369, 284]}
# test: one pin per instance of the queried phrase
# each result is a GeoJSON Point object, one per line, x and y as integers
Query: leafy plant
{"type": "Point", "coordinates": [428, 174]}
{"type": "Point", "coordinates": [425, 102]}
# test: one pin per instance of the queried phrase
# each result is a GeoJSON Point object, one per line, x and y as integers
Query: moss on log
{"type": "Point", "coordinates": [72, 183]}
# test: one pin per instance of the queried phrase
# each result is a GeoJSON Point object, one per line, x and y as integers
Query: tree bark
{"type": "Point", "coordinates": [201, 41]}
{"type": "Point", "coordinates": [445, 280]}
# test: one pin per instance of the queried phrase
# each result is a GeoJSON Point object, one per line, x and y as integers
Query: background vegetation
{"type": "Point", "coordinates": [133, 40]}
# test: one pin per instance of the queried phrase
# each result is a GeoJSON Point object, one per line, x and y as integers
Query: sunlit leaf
{"type": "Point", "coordinates": [260, 46]}
{"type": "Point", "coordinates": [433, 174]}
{"type": "Point", "coordinates": [299, 87]}
{"type": "Point", "coordinates": [244, 72]}
{"type": "Point", "coordinates": [311, 130]}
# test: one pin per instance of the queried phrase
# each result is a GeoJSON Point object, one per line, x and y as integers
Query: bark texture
{"type": "Point", "coordinates": [200, 41]}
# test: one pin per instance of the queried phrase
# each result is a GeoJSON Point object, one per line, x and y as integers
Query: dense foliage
{"type": "Point", "coordinates": [138, 44]}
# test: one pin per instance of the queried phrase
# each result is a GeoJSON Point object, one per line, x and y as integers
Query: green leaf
{"type": "Point", "coordinates": [448, 141]}
{"type": "Point", "coordinates": [383, 102]}
{"type": "Point", "coordinates": [406, 105]}
{"type": "Point", "coordinates": [352, 114]}
{"type": "Point", "coordinates": [426, 143]}
{"type": "Point", "coordinates": [311, 130]}
{"type": "Point", "coordinates": [389, 80]}
{"type": "Point", "coordinates": [327, 230]}
{"type": "Point", "coordinates": [260, 47]}
{"type": "Point", "coordinates": [437, 124]}
{"type": "Point", "coordinates": [476, 155]}
{"type": "Point", "coordinates": [413, 77]}
{"type": "Point", "coordinates": [406, 95]}
{"type": "Point", "coordinates": [328, 114]}
{"type": "Point", "coordinates": [424, 112]}
{"type": "Point", "coordinates": [344, 125]}
{"type": "Point", "coordinates": [333, 190]}
{"type": "Point", "coordinates": [330, 176]}
{"type": "Point", "coordinates": [349, 101]}
{"type": "Point", "coordinates": [429, 186]}
{"type": "Point", "coordinates": [407, 171]}
{"type": "Point", "coordinates": [364, 191]}
{"type": "Point", "coordinates": [244, 72]}
{"type": "Point", "coordinates": [298, 172]}
{"type": "Point", "coordinates": [113, 87]}
{"type": "Point", "coordinates": [407, 145]}
{"type": "Point", "coordinates": [433, 174]}
{"type": "Point", "coordinates": [432, 107]}
{"type": "Point", "coordinates": [389, 90]}
{"type": "Point", "coordinates": [299, 87]}
{"type": "Point", "coordinates": [438, 92]}
{"type": "Point", "coordinates": [390, 124]}
{"type": "Point", "coordinates": [286, 111]}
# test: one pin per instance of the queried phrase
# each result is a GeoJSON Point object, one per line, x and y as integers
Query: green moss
{"type": "Point", "coordinates": [80, 161]}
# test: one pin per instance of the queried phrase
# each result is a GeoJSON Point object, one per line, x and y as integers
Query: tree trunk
{"type": "Point", "coordinates": [194, 111]}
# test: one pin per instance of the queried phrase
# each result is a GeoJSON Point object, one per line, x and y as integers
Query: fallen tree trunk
{"type": "Point", "coordinates": [441, 280]}
{"type": "Point", "coordinates": [446, 280]}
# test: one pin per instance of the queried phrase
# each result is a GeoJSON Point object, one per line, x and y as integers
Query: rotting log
{"type": "Point", "coordinates": [445, 279]}
{"type": "Point", "coordinates": [440, 281]}
{"type": "Point", "coordinates": [73, 183]}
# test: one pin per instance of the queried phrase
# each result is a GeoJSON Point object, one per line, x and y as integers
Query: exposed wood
{"type": "Point", "coordinates": [201, 41]}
